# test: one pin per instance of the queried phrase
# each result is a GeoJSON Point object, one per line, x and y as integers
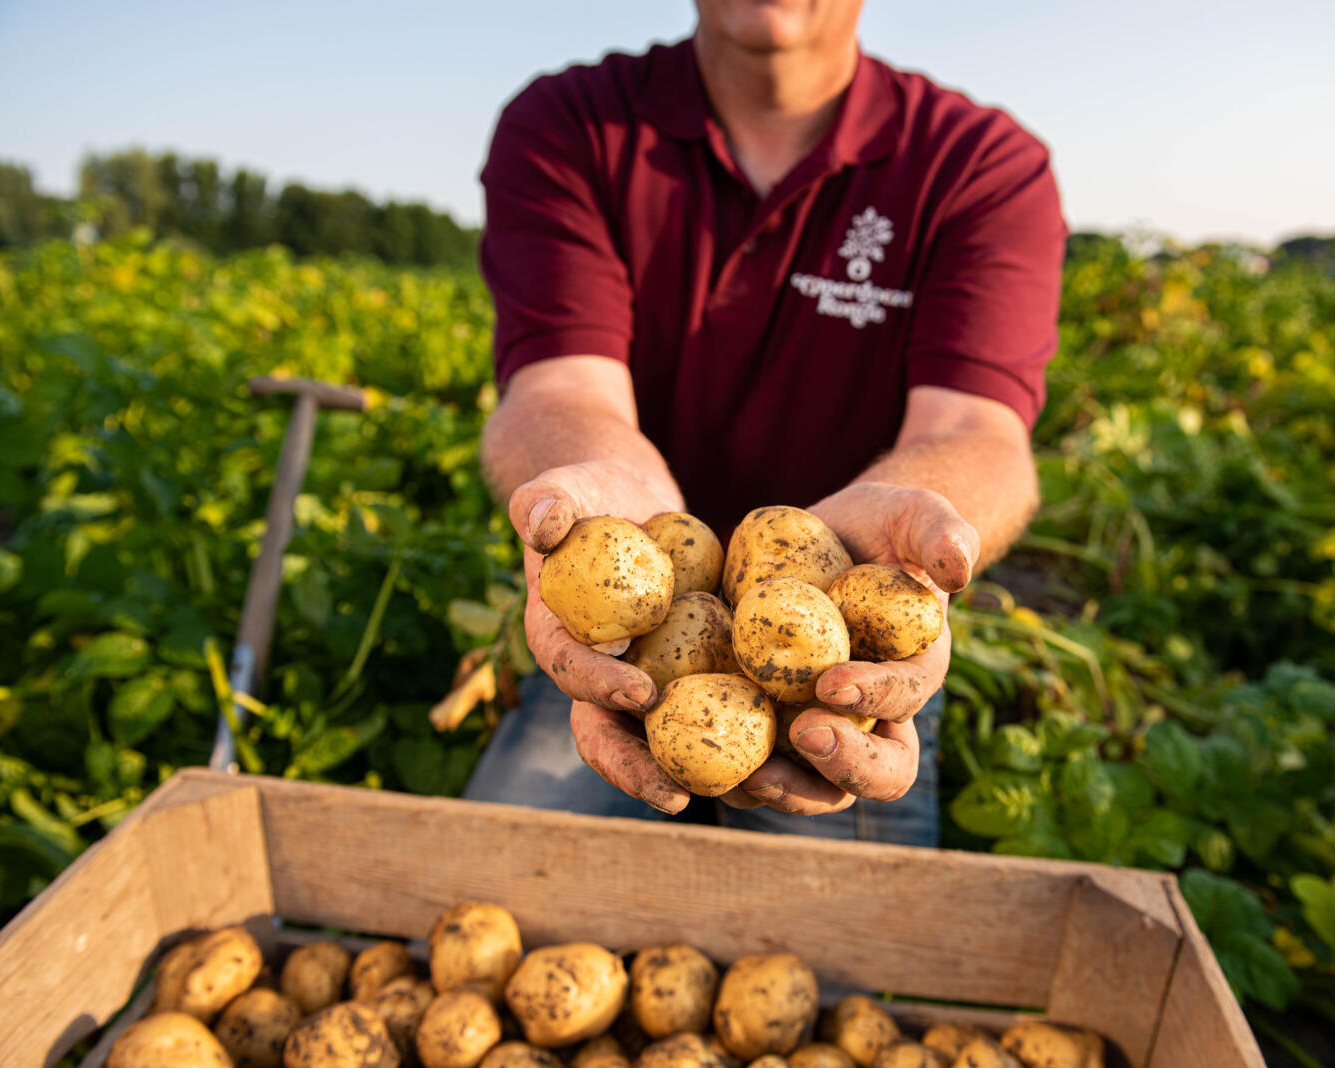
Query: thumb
{"type": "Point", "coordinates": [543, 511]}
{"type": "Point", "coordinates": [926, 530]}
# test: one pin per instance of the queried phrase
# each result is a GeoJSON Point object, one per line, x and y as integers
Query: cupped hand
{"type": "Point", "coordinates": [605, 691]}
{"type": "Point", "coordinates": [920, 532]}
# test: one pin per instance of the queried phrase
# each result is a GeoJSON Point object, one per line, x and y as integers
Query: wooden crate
{"type": "Point", "coordinates": [1113, 950]}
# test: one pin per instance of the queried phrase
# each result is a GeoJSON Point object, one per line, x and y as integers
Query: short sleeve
{"type": "Point", "coordinates": [986, 319]}
{"type": "Point", "coordinates": [557, 281]}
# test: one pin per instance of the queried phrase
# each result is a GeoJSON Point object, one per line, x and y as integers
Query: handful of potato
{"type": "Point", "coordinates": [489, 1004]}
{"type": "Point", "coordinates": [725, 677]}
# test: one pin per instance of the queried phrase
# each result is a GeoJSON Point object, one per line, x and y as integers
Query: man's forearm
{"type": "Point", "coordinates": [577, 410]}
{"type": "Point", "coordinates": [989, 479]}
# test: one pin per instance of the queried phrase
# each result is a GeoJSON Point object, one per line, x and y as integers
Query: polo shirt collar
{"type": "Point", "coordinates": [674, 101]}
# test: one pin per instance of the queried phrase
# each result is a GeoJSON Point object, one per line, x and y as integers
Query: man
{"type": "Point", "coordinates": [758, 267]}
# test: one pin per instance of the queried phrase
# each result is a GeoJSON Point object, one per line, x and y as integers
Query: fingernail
{"type": "Point", "coordinates": [817, 741]}
{"type": "Point", "coordinates": [538, 513]}
{"type": "Point", "coordinates": [766, 793]}
{"type": "Point", "coordinates": [669, 803]}
{"type": "Point", "coordinates": [845, 695]}
{"type": "Point", "coordinates": [625, 701]}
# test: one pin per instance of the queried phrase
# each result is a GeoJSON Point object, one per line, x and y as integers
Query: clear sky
{"type": "Point", "coordinates": [1193, 118]}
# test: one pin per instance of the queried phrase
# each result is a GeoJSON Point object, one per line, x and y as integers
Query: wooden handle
{"type": "Point", "coordinates": [325, 394]}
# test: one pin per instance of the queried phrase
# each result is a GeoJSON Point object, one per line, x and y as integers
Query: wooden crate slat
{"type": "Point", "coordinates": [1105, 940]}
{"type": "Point", "coordinates": [73, 958]}
{"type": "Point", "coordinates": [1201, 1023]}
{"type": "Point", "coordinates": [207, 863]}
{"type": "Point", "coordinates": [919, 922]}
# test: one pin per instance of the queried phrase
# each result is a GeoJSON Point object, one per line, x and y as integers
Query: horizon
{"type": "Point", "coordinates": [1201, 131]}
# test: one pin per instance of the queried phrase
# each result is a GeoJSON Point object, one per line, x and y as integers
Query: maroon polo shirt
{"type": "Point", "coordinates": [772, 340]}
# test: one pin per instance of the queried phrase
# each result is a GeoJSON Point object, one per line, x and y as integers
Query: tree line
{"type": "Point", "coordinates": [197, 201]}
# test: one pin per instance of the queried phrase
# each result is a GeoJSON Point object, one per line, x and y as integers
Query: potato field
{"type": "Point", "coordinates": [1148, 679]}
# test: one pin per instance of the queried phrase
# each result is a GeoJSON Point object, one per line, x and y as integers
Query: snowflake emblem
{"type": "Point", "coordinates": [865, 241]}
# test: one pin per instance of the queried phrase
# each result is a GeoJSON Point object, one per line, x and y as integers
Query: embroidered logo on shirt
{"type": "Point", "coordinates": [865, 241]}
{"type": "Point", "coordinates": [858, 301]}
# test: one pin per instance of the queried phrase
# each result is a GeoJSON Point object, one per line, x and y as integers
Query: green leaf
{"type": "Point", "coordinates": [109, 656]}
{"type": "Point", "coordinates": [997, 804]}
{"type": "Point", "coordinates": [1085, 785]}
{"type": "Point", "coordinates": [1257, 826]}
{"type": "Point", "coordinates": [182, 642]}
{"type": "Point", "coordinates": [1318, 898]}
{"type": "Point", "coordinates": [1255, 969]}
{"type": "Point", "coordinates": [99, 759]}
{"type": "Point", "coordinates": [138, 707]}
{"type": "Point", "coordinates": [1214, 847]}
{"type": "Point", "coordinates": [11, 570]}
{"type": "Point", "coordinates": [1161, 838]}
{"type": "Point", "coordinates": [311, 597]}
{"type": "Point", "coordinates": [420, 763]}
{"type": "Point", "coordinates": [1135, 792]}
{"type": "Point", "coordinates": [1221, 904]}
{"type": "Point", "coordinates": [474, 618]}
{"type": "Point", "coordinates": [1172, 757]}
{"type": "Point", "coordinates": [1062, 734]}
{"type": "Point", "coordinates": [1016, 747]}
{"type": "Point", "coordinates": [328, 748]}
{"type": "Point", "coordinates": [1313, 697]}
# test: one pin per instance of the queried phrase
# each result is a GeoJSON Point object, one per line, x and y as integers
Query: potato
{"type": "Point", "coordinates": [695, 638]}
{"type": "Point", "coordinates": [766, 1004]}
{"type": "Point", "coordinates": [564, 994]}
{"type": "Point", "coordinates": [377, 965]}
{"type": "Point", "coordinates": [949, 1038]}
{"type": "Point", "coordinates": [474, 946]}
{"type": "Point", "coordinates": [601, 1052]}
{"type": "Point", "coordinates": [168, 1040]}
{"type": "Point", "coordinates": [782, 541]}
{"type": "Point", "coordinates": [890, 615]}
{"type": "Point", "coordinates": [1039, 1044]}
{"type": "Point", "coordinates": [254, 1027]}
{"type": "Point", "coordinates": [769, 1060]}
{"type": "Point", "coordinates": [861, 1028]}
{"type": "Point", "coordinates": [519, 1055]}
{"type": "Point", "coordinates": [204, 974]}
{"type": "Point", "coordinates": [313, 975]}
{"type": "Point", "coordinates": [697, 554]}
{"type": "Point", "coordinates": [401, 1003]}
{"type": "Point", "coordinates": [820, 1055]}
{"type": "Point", "coordinates": [607, 581]}
{"type": "Point", "coordinates": [672, 990]}
{"type": "Point", "coordinates": [785, 633]}
{"type": "Point", "coordinates": [910, 1055]}
{"type": "Point", "coordinates": [719, 1050]}
{"type": "Point", "coordinates": [350, 1034]}
{"type": "Point", "coordinates": [457, 1030]}
{"type": "Point", "coordinates": [680, 1051]}
{"type": "Point", "coordinates": [985, 1053]}
{"type": "Point", "coordinates": [709, 732]}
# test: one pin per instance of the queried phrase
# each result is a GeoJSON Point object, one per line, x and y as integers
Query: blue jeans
{"type": "Point", "coordinates": [531, 760]}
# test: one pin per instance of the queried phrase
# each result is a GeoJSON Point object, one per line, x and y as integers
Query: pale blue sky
{"type": "Point", "coordinates": [1197, 119]}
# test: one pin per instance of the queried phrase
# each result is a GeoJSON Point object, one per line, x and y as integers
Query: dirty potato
{"type": "Point", "coordinates": [1045, 1045]}
{"type": "Point", "coordinates": [401, 1003]}
{"type": "Point", "coordinates": [565, 994]}
{"type": "Point", "coordinates": [601, 1052]}
{"type": "Point", "coordinates": [861, 1028]}
{"type": "Point", "coordinates": [769, 1060]}
{"type": "Point", "coordinates": [457, 1030]}
{"type": "Point", "coordinates": [680, 1051]}
{"type": "Point", "coordinates": [375, 966]}
{"type": "Point", "coordinates": [474, 946]}
{"type": "Point", "coordinates": [910, 1055]}
{"type": "Point", "coordinates": [986, 1053]}
{"type": "Point", "coordinates": [766, 1004]}
{"type": "Point", "coordinates": [786, 633]}
{"type": "Point", "coordinates": [168, 1040]}
{"type": "Point", "coordinates": [313, 975]}
{"type": "Point", "coordinates": [607, 581]}
{"type": "Point", "coordinates": [949, 1038]}
{"type": "Point", "coordinates": [347, 1035]}
{"type": "Point", "coordinates": [820, 1055]}
{"type": "Point", "coordinates": [890, 615]}
{"type": "Point", "coordinates": [697, 555]}
{"type": "Point", "coordinates": [519, 1055]}
{"type": "Point", "coordinates": [709, 732]}
{"type": "Point", "coordinates": [696, 638]}
{"type": "Point", "coordinates": [782, 541]}
{"type": "Point", "coordinates": [672, 990]}
{"type": "Point", "coordinates": [254, 1027]}
{"type": "Point", "coordinates": [199, 977]}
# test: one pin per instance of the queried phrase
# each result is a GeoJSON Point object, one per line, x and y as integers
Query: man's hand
{"type": "Point", "coordinates": [920, 532]}
{"type": "Point", "coordinates": [610, 697]}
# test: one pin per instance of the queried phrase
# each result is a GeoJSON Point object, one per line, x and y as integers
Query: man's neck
{"type": "Point", "coordinates": [774, 106]}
